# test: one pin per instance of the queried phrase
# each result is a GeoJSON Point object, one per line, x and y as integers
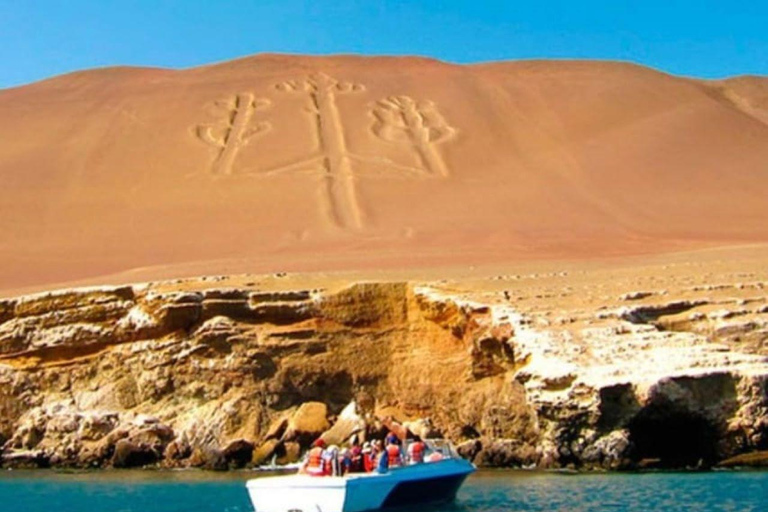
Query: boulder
{"type": "Point", "coordinates": [155, 436]}
{"type": "Point", "coordinates": [263, 454]}
{"type": "Point", "coordinates": [95, 454]}
{"type": "Point", "coordinates": [423, 428]}
{"type": "Point", "coordinates": [238, 453]}
{"type": "Point", "coordinates": [178, 449]}
{"type": "Point", "coordinates": [288, 453]}
{"type": "Point", "coordinates": [610, 451]}
{"type": "Point", "coordinates": [307, 423]}
{"type": "Point", "coordinates": [208, 457]}
{"type": "Point", "coordinates": [25, 459]}
{"type": "Point", "coordinates": [469, 449]}
{"type": "Point", "coordinates": [278, 426]}
{"type": "Point", "coordinates": [393, 413]}
{"type": "Point", "coordinates": [132, 455]}
{"type": "Point", "coordinates": [750, 460]}
{"type": "Point", "coordinates": [349, 422]}
{"type": "Point", "coordinates": [505, 453]}
{"type": "Point", "coordinates": [96, 425]}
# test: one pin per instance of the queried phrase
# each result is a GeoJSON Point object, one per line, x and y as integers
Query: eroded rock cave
{"type": "Point", "coordinates": [669, 437]}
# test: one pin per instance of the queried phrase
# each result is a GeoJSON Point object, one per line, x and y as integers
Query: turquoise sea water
{"type": "Point", "coordinates": [486, 491]}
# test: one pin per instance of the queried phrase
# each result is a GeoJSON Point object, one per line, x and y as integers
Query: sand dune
{"type": "Point", "coordinates": [296, 163]}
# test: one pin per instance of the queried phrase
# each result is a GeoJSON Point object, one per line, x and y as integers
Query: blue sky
{"type": "Point", "coordinates": [40, 38]}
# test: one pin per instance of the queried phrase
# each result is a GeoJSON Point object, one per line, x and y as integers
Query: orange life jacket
{"type": "Point", "coordinates": [315, 462]}
{"type": "Point", "coordinates": [416, 451]}
{"type": "Point", "coordinates": [393, 453]}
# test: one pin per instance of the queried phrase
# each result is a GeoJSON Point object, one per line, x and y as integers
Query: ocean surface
{"type": "Point", "coordinates": [486, 491]}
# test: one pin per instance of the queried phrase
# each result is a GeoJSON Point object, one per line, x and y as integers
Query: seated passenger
{"type": "Point", "coordinates": [435, 457]}
{"type": "Point", "coordinates": [356, 464]}
{"type": "Point", "coordinates": [331, 457]}
{"type": "Point", "coordinates": [368, 457]}
{"type": "Point", "coordinates": [393, 455]}
{"type": "Point", "coordinates": [345, 461]}
{"type": "Point", "coordinates": [416, 451]}
{"type": "Point", "coordinates": [382, 465]}
{"type": "Point", "coordinates": [314, 464]}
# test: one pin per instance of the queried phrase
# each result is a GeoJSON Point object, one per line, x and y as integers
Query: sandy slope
{"type": "Point", "coordinates": [379, 163]}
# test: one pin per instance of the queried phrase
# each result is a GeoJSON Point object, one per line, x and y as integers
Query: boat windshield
{"type": "Point", "coordinates": [442, 446]}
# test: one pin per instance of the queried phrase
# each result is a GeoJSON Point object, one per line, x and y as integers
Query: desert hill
{"type": "Point", "coordinates": [301, 163]}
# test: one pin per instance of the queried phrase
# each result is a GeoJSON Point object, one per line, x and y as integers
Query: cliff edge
{"type": "Point", "coordinates": [571, 368]}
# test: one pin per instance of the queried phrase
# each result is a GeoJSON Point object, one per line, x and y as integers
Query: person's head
{"type": "Point", "coordinates": [319, 443]}
{"type": "Point", "coordinates": [366, 447]}
{"type": "Point", "coordinates": [416, 439]}
{"type": "Point", "coordinates": [355, 441]}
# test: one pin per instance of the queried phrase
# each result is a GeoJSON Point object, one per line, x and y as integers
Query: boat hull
{"type": "Point", "coordinates": [433, 482]}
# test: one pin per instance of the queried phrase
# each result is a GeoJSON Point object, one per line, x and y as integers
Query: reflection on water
{"type": "Point", "coordinates": [487, 491]}
{"type": "Point", "coordinates": [626, 492]}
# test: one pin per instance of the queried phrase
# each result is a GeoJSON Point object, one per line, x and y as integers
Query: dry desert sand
{"type": "Point", "coordinates": [557, 264]}
{"type": "Point", "coordinates": [287, 163]}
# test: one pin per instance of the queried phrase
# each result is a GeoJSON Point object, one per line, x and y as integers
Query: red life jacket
{"type": "Point", "coordinates": [416, 452]}
{"type": "Point", "coordinates": [393, 453]}
{"type": "Point", "coordinates": [367, 462]}
{"type": "Point", "coordinates": [315, 462]}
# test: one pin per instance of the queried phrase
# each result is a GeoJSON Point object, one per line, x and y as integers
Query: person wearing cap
{"type": "Point", "coordinates": [368, 457]}
{"type": "Point", "coordinates": [315, 463]}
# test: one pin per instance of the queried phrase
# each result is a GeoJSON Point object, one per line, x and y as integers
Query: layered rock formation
{"type": "Point", "coordinates": [198, 374]}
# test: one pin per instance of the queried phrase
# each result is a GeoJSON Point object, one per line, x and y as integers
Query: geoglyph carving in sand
{"type": "Point", "coordinates": [402, 119]}
{"type": "Point", "coordinates": [229, 135]}
{"type": "Point", "coordinates": [335, 158]}
{"type": "Point", "coordinates": [398, 119]}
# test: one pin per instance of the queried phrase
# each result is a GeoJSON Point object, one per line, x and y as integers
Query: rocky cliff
{"type": "Point", "coordinates": [197, 373]}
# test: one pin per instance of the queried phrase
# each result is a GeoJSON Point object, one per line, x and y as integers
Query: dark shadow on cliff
{"type": "Point", "coordinates": [676, 438]}
{"type": "Point", "coordinates": [335, 389]}
{"type": "Point", "coordinates": [683, 423]}
{"type": "Point", "coordinates": [618, 404]}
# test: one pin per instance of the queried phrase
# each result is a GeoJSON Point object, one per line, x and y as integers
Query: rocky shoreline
{"type": "Point", "coordinates": [228, 377]}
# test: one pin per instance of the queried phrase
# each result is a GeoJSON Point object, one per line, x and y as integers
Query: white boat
{"type": "Point", "coordinates": [416, 484]}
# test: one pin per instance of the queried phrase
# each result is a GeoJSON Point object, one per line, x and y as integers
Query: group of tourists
{"type": "Point", "coordinates": [371, 456]}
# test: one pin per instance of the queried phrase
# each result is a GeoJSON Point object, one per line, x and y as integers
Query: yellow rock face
{"type": "Point", "coordinates": [554, 366]}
